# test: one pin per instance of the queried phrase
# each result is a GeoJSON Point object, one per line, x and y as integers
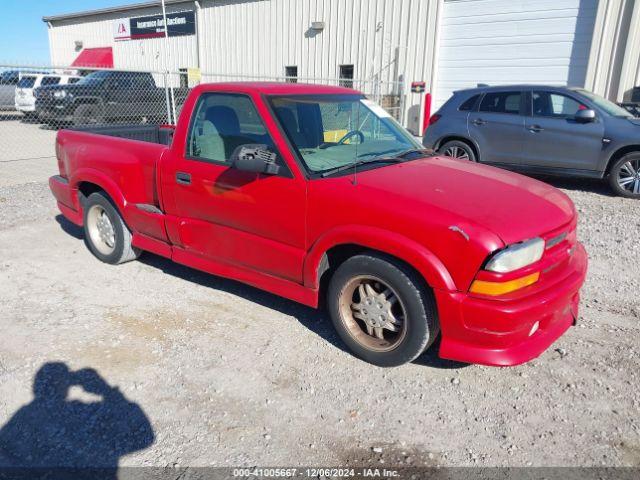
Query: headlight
{"type": "Point", "coordinates": [60, 94]}
{"type": "Point", "coordinates": [516, 256]}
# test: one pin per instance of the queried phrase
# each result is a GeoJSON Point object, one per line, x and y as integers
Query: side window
{"type": "Point", "coordinates": [469, 104]}
{"type": "Point", "coordinates": [120, 81]}
{"type": "Point", "coordinates": [142, 82]}
{"type": "Point", "coordinates": [50, 81]}
{"type": "Point", "coordinates": [547, 104]}
{"type": "Point", "coordinates": [73, 80]}
{"type": "Point", "coordinates": [223, 122]}
{"type": "Point", "coordinates": [501, 102]}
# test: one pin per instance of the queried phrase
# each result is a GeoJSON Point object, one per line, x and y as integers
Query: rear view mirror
{"type": "Point", "coordinates": [585, 116]}
{"type": "Point", "coordinates": [254, 158]}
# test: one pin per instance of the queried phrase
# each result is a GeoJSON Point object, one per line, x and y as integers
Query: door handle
{"type": "Point", "coordinates": [479, 121]}
{"type": "Point", "coordinates": [535, 128]}
{"type": "Point", "coordinates": [183, 178]}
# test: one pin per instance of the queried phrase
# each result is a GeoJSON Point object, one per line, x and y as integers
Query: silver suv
{"type": "Point", "coordinates": [540, 129]}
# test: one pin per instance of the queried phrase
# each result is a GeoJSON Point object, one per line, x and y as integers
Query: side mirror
{"type": "Point", "coordinates": [254, 158]}
{"type": "Point", "coordinates": [585, 116]}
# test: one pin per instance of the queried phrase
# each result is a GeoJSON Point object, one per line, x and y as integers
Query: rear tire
{"type": "Point", "coordinates": [380, 310]}
{"type": "Point", "coordinates": [88, 114]}
{"type": "Point", "coordinates": [624, 176]}
{"type": "Point", "coordinates": [458, 149]}
{"type": "Point", "coordinates": [105, 232]}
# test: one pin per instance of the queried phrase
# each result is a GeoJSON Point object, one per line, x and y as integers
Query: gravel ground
{"type": "Point", "coordinates": [211, 372]}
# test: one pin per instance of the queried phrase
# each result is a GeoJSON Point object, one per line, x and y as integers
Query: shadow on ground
{"type": "Point", "coordinates": [55, 433]}
{"type": "Point", "coordinates": [316, 320]}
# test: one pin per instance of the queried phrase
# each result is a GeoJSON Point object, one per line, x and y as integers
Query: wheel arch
{"type": "Point", "coordinates": [619, 153]}
{"type": "Point", "coordinates": [339, 244]}
{"type": "Point", "coordinates": [459, 138]}
{"type": "Point", "coordinates": [88, 181]}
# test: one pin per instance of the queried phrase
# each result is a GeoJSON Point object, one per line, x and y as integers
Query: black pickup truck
{"type": "Point", "coordinates": [106, 96]}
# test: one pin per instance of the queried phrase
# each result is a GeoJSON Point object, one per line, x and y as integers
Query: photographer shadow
{"type": "Point", "coordinates": [55, 434]}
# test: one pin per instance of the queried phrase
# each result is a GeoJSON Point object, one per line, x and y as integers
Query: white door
{"type": "Point", "coordinates": [500, 42]}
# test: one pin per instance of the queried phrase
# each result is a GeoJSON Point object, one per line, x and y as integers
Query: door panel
{"type": "Point", "coordinates": [232, 216]}
{"type": "Point", "coordinates": [497, 127]}
{"type": "Point", "coordinates": [241, 217]}
{"type": "Point", "coordinates": [555, 140]}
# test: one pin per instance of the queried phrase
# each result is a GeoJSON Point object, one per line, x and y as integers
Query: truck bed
{"type": "Point", "coordinates": [160, 134]}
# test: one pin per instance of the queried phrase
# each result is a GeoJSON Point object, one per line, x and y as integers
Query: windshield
{"type": "Point", "coordinates": [27, 82]}
{"type": "Point", "coordinates": [331, 131]}
{"type": "Point", "coordinates": [94, 78]}
{"type": "Point", "coordinates": [604, 104]}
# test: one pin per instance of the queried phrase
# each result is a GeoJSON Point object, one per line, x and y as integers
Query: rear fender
{"type": "Point", "coordinates": [391, 243]}
{"type": "Point", "coordinates": [98, 178]}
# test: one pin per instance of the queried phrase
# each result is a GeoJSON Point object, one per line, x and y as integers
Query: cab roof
{"type": "Point", "coordinates": [280, 88]}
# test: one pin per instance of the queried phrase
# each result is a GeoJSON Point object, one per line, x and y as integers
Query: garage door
{"type": "Point", "coordinates": [513, 41]}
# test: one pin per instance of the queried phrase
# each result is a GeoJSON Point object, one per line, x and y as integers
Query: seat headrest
{"type": "Point", "coordinates": [224, 119]}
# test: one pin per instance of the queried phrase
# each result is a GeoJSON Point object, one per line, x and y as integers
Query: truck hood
{"type": "Point", "coordinates": [512, 206]}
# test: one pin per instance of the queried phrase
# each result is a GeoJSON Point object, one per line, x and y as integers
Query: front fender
{"type": "Point", "coordinates": [391, 243]}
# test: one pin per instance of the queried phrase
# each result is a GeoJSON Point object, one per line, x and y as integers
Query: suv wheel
{"type": "Point", "coordinates": [624, 177]}
{"type": "Point", "coordinates": [458, 149]}
{"type": "Point", "coordinates": [380, 310]}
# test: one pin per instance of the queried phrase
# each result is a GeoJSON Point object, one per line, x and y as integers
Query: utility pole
{"type": "Point", "coordinates": [172, 113]}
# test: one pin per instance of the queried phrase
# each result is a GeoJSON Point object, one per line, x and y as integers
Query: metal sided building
{"type": "Point", "coordinates": [447, 44]}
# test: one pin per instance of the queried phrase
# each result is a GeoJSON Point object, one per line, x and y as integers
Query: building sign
{"type": "Point", "coordinates": [418, 87]}
{"type": "Point", "coordinates": [152, 26]}
{"type": "Point", "coordinates": [194, 77]}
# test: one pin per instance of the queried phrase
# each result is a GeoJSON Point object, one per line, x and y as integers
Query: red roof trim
{"type": "Point", "coordinates": [101, 57]}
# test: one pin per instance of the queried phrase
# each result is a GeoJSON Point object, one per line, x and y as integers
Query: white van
{"type": "Point", "coordinates": [25, 100]}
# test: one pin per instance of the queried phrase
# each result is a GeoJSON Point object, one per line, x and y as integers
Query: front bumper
{"type": "Point", "coordinates": [504, 332]}
{"type": "Point", "coordinates": [54, 110]}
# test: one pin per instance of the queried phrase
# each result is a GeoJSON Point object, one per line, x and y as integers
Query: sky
{"type": "Point", "coordinates": [23, 36]}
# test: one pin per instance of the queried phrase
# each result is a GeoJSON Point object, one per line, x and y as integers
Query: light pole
{"type": "Point", "coordinates": [172, 113]}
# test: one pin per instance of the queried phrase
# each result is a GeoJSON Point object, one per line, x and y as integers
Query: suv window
{"type": "Point", "coordinates": [9, 78]}
{"type": "Point", "coordinates": [469, 104]}
{"type": "Point", "coordinates": [50, 81]}
{"type": "Point", "coordinates": [501, 102]}
{"type": "Point", "coordinates": [223, 122]}
{"type": "Point", "coordinates": [27, 82]}
{"type": "Point", "coordinates": [547, 104]}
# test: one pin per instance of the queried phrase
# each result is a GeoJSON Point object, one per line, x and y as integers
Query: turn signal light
{"type": "Point", "coordinates": [434, 118]}
{"type": "Point", "coordinates": [500, 288]}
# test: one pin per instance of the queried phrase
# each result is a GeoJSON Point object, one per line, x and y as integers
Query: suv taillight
{"type": "Point", "coordinates": [434, 118]}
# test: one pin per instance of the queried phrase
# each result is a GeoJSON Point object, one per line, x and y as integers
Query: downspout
{"type": "Point", "coordinates": [198, 8]}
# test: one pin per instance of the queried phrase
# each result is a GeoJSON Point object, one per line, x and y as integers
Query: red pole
{"type": "Point", "coordinates": [427, 113]}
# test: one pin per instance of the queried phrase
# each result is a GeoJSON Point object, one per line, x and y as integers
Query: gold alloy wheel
{"type": "Point", "coordinates": [373, 313]}
{"type": "Point", "coordinates": [101, 230]}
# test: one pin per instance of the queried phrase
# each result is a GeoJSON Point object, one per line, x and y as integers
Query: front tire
{"type": "Point", "coordinates": [380, 310]}
{"type": "Point", "coordinates": [624, 177]}
{"type": "Point", "coordinates": [105, 232]}
{"type": "Point", "coordinates": [458, 149]}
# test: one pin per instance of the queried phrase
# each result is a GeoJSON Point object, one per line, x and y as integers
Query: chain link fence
{"type": "Point", "coordinates": [35, 102]}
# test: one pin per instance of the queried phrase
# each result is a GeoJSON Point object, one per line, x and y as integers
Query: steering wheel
{"type": "Point", "coordinates": [350, 134]}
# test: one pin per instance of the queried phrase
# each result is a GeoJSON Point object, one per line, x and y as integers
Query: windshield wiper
{"type": "Point", "coordinates": [422, 152]}
{"type": "Point", "coordinates": [348, 166]}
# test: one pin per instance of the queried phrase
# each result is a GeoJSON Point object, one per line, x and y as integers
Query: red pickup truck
{"type": "Point", "coordinates": [315, 193]}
